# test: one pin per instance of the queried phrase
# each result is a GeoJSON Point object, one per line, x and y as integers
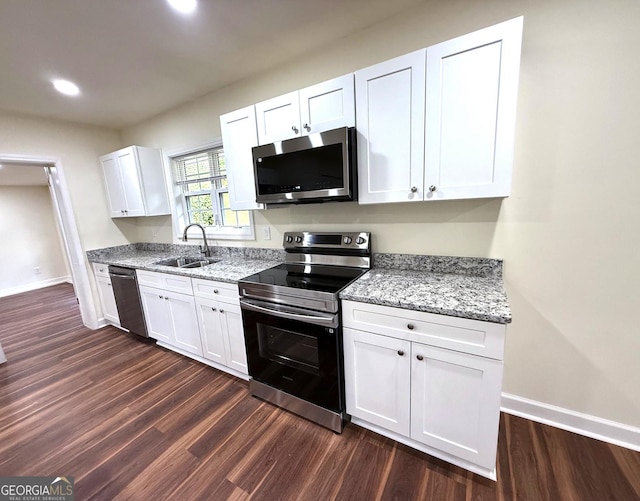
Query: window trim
{"type": "Point", "coordinates": [177, 201]}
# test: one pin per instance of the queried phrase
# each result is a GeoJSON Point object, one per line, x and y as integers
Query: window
{"type": "Point", "coordinates": [201, 182]}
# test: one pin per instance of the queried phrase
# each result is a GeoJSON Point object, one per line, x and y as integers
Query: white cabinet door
{"type": "Point", "coordinates": [184, 322]}
{"type": "Point", "coordinates": [377, 379]}
{"type": "Point", "coordinates": [455, 403]}
{"type": "Point", "coordinates": [239, 135]}
{"type": "Point", "coordinates": [231, 317]}
{"type": "Point", "coordinates": [128, 165]}
{"type": "Point", "coordinates": [472, 85]}
{"type": "Point", "coordinates": [113, 185]}
{"type": "Point", "coordinates": [107, 299]}
{"type": "Point", "coordinates": [278, 118]}
{"type": "Point", "coordinates": [157, 314]}
{"type": "Point", "coordinates": [328, 105]}
{"type": "Point", "coordinates": [211, 330]}
{"type": "Point", "coordinates": [390, 120]}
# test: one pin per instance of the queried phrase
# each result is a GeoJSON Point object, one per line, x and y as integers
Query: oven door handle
{"type": "Point", "coordinates": [328, 320]}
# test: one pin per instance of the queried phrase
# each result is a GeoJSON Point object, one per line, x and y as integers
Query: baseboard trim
{"type": "Point", "coordinates": [583, 424]}
{"type": "Point", "coordinates": [34, 286]}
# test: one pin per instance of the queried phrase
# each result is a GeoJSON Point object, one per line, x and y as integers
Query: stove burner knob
{"type": "Point", "coordinates": [347, 240]}
{"type": "Point", "coordinates": [360, 240]}
{"type": "Point", "coordinates": [289, 239]}
{"type": "Point", "coordinates": [298, 239]}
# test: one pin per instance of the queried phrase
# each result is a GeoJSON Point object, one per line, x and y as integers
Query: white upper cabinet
{"type": "Point", "coordinates": [278, 118]}
{"type": "Point", "coordinates": [462, 146]}
{"type": "Point", "coordinates": [135, 182]}
{"type": "Point", "coordinates": [390, 123]}
{"type": "Point", "coordinates": [472, 86]}
{"type": "Point", "coordinates": [321, 107]}
{"type": "Point", "coordinates": [328, 105]}
{"type": "Point", "coordinates": [239, 135]}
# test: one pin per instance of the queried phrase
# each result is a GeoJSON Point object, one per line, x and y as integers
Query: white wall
{"type": "Point", "coordinates": [77, 147]}
{"type": "Point", "coordinates": [569, 234]}
{"type": "Point", "coordinates": [31, 240]}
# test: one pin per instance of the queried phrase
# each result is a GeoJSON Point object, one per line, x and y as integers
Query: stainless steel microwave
{"type": "Point", "coordinates": [317, 167]}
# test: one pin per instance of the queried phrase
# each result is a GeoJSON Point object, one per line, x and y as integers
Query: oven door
{"type": "Point", "coordinates": [295, 350]}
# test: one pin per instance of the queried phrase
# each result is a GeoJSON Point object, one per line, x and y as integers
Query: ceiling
{"type": "Point", "coordinates": [134, 59]}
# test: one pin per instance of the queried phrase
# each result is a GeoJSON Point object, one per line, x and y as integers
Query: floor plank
{"type": "Point", "coordinates": [129, 420]}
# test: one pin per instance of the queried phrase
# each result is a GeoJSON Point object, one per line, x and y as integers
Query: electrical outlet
{"type": "Point", "coordinates": [266, 233]}
{"type": "Point", "coordinates": [37, 270]}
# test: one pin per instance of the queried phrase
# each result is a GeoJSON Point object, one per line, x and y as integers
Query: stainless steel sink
{"type": "Point", "coordinates": [187, 262]}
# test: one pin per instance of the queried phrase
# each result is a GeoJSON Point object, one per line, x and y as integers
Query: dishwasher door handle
{"type": "Point", "coordinates": [126, 277]}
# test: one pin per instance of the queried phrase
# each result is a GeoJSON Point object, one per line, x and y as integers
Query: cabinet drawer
{"type": "Point", "coordinates": [101, 270]}
{"type": "Point", "coordinates": [165, 281]}
{"type": "Point", "coordinates": [221, 291]}
{"type": "Point", "coordinates": [468, 336]}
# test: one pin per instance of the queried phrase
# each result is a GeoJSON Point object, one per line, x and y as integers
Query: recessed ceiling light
{"type": "Point", "coordinates": [184, 6]}
{"type": "Point", "coordinates": [66, 87]}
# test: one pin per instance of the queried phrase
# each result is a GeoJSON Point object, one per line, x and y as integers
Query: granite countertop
{"type": "Point", "coordinates": [459, 287]}
{"type": "Point", "coordinates": [234, 262]}
{"type": "Point", "coordinates": [454, 286]}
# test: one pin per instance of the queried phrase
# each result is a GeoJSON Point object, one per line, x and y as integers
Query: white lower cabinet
{"type": "Point", "coordinates": [105, 291]}
{"type": "Point", "coordinates": [171, 318]}
{"type": "Point", "coordinates": [377, 369]}
{"type": "Point", "coordinates": [197, 318]}
{"type": "Point", "coordinates": [438, 400]}
{"type": "Point", "coordinates": [220, 321]}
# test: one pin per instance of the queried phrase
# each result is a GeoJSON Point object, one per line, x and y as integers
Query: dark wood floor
{"type": "Point", "coordinates": [133, 421]}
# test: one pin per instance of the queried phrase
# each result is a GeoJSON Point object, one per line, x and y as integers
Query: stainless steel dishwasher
{"type": "Point", "coordinates": [125, 290]}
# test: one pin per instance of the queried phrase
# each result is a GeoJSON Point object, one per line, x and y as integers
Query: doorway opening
{"type": "Point", "coordinates": [65, 218]}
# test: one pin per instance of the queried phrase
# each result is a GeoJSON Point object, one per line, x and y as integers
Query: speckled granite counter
{"type": "Point", "coordinates": [459, 287]}
{"type": "Point", "coordinates": [235, 262]}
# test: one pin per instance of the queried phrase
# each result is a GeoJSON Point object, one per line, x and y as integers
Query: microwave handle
{"type": "Point", "coordinates": [323, 320]}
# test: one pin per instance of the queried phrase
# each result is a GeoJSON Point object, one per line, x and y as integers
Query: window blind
{"type": "Point", "coordinates": [201, 166]}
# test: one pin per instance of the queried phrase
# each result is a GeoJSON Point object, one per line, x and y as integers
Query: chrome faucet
{"type": "Point", "coordinates": [205, 250]}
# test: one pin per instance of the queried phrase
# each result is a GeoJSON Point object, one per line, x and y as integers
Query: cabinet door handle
{"type": "Point", "coordinates": [215, 291]}
{"type": "Point", "coordinates": [410, 327]}
{"type": "Point", "coordinates": [160, 297]}
{"type": "Point", "coordinates": [401, 353]}
{"type": "Point", "coordinates": [308, 127]}
{"type": "Point", "coordinates": [432, 188]}
{"type": "Point", "coordinates": [419, 357]}
{"type": "Point", "coordinates": [221, 311]}
{"type": "Point", "coordinates": [213, 309]}
{"type": "Point", "coordinates": [413, 189]}
{"type": "Point", "coordinates": [294, 129]}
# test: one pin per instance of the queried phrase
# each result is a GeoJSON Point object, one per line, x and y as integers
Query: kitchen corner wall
{"type": "Point", "coordinates": [77, 147]}
{"type": "Point", "coordinates": [569, 234]}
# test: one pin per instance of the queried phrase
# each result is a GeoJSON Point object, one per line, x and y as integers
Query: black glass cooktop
{"type": "Point", "coordinates": [311, 277]}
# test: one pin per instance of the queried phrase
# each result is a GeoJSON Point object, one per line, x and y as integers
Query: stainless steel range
{"type": "Point", "coordinates": [292, 328]}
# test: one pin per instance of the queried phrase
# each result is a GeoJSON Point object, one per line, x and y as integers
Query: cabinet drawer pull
{"type": "Point", "coordinates": [419, 357]}
{"type": "Point", "coordinates": [215, 291]}
{"type": "Point", "coordinates": [401, 353]}
{"type": "Point", "coordinates": [410, 327]}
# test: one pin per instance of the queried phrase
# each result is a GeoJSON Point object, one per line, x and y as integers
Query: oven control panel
{"type": "Point", "coordinates": [307, 240]}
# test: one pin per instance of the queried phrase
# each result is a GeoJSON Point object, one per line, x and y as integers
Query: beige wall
{"type": "Point", "coordinates": [569, 234]}
{"type": "Point", "coordinates": [77, 147]}
{"type": "Point", "coordinates": [31, 238]}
